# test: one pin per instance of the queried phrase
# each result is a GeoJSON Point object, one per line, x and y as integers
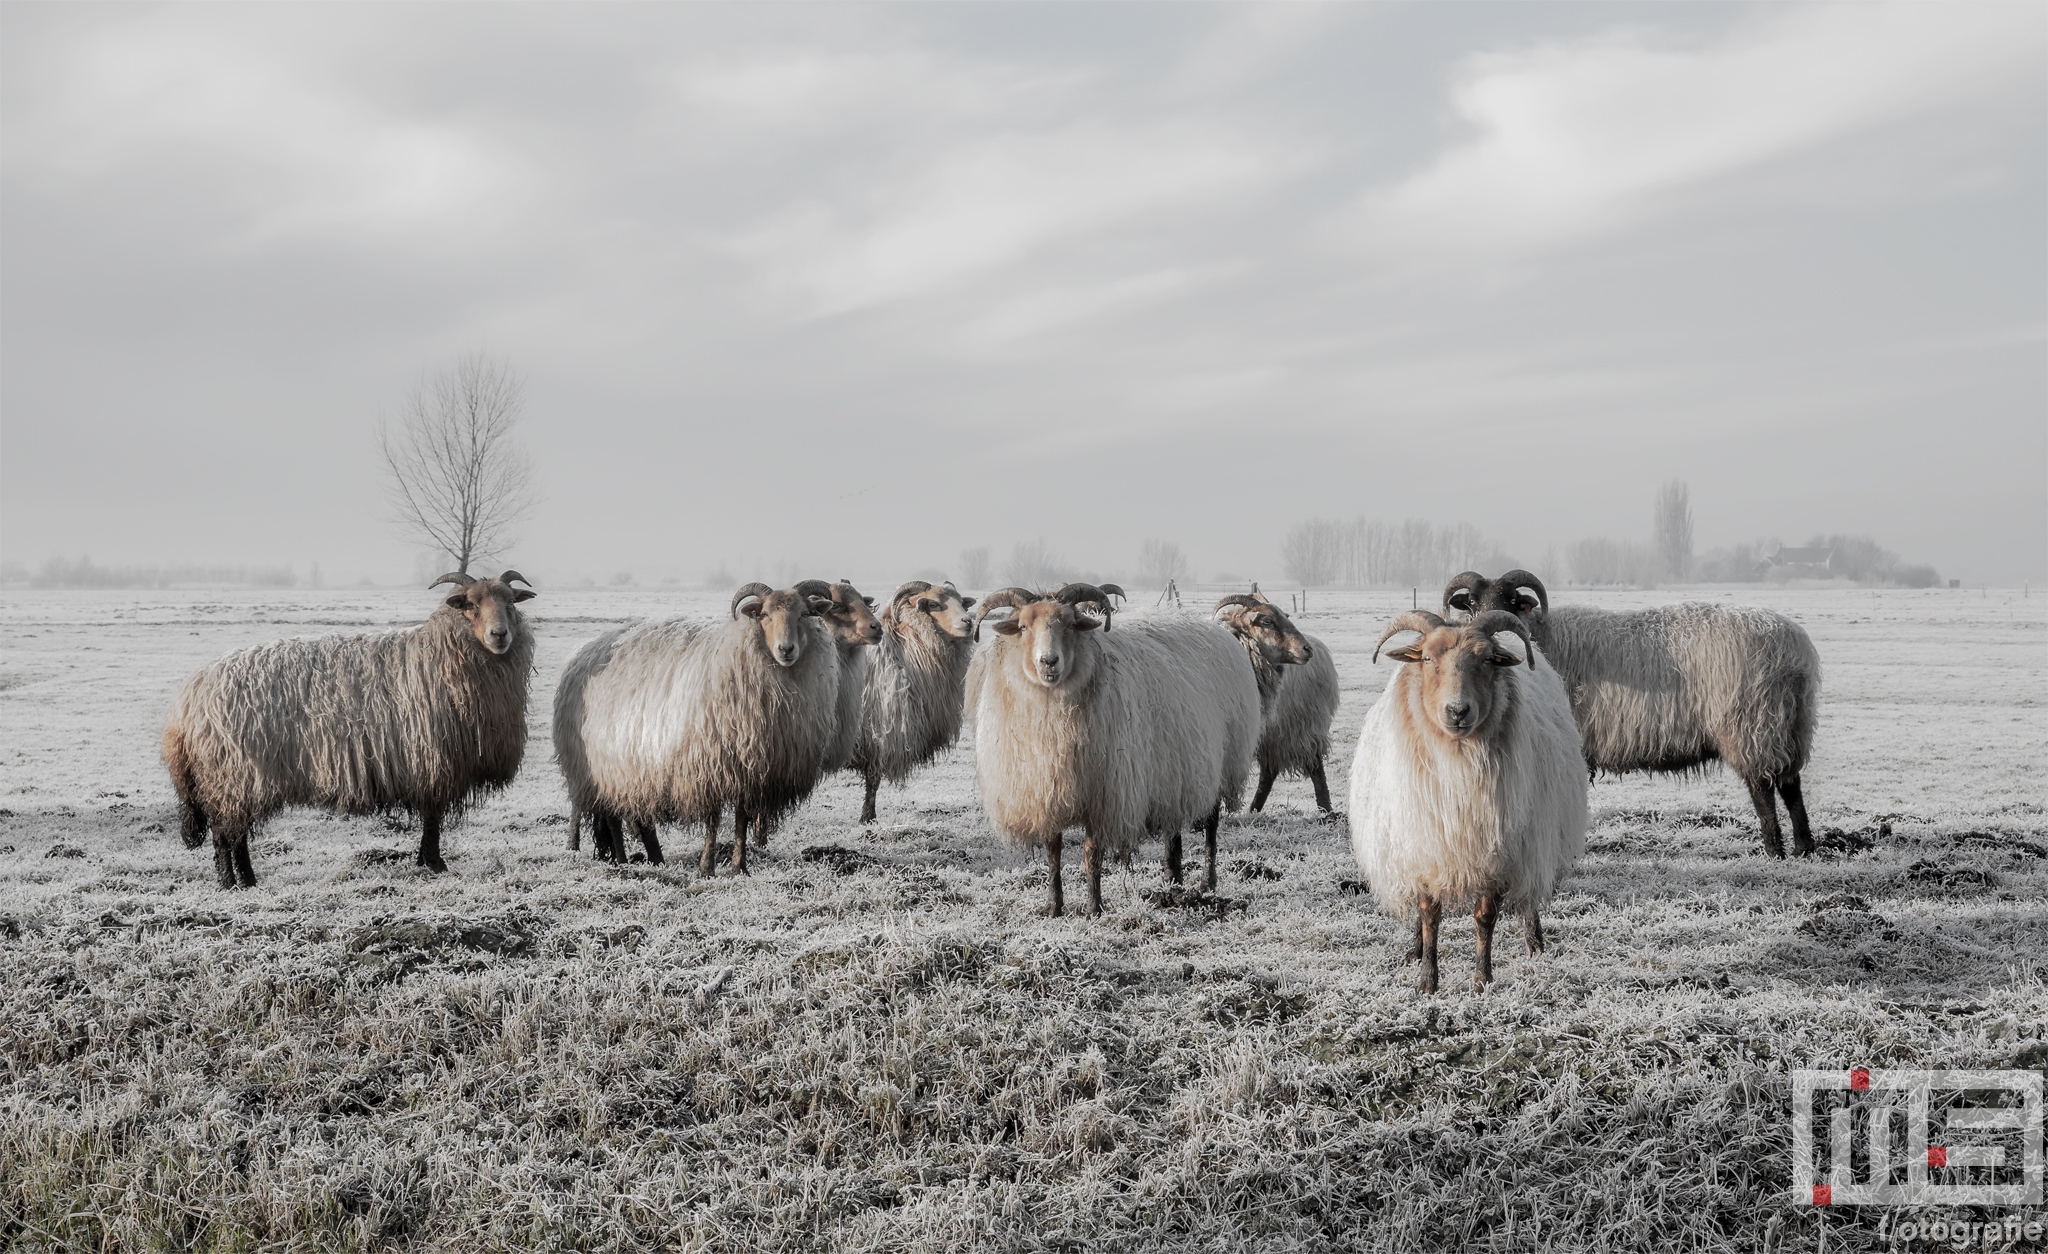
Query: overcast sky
{"type": "Point", "coordinates": [862, 287]}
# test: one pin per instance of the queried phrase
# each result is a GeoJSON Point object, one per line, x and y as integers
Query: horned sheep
{"type": "Point", "coordinates": [675, 721]}
{"type": "Point", "coordinates": [1466, 785]}
{"type": "Point", "coordinates": [1298, 693]}
{"type": "Point", "coordinates": [1677, 686]}
{"type": "Point", "coordinates": [426, 719]}
{"type": "Point", "coordinates": [911, 705]}
{"type": "Point", "coordinates": [1143, 730]}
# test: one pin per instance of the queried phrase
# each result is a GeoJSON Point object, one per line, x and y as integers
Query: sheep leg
{"type": "Point", "coordinates": [430, 840]}
{"type": "Point", "coordinates": [1209, 836]}
{"type": "Point", "coordinates": [191, 824]}
{"type": "Point", "coordinates": [607, 844]}
{"type": "Point", "coordinates": [1091, 857]}
{"type": "Point", "coordinates": [1415, 947]}
{"type": "Point", "coordinates": [1485, 912]}
{"type": "Point", "coordinates": [872, 780]}
{"type": "Point", "coordinates": [1056, 900]}
{"type": "Point", "coordinates": [1266, 776]}
{"type": "Point", "coordinates": [739, 839]}
{"type": "Point", "coordinates": [231, 856]}
{"type": "Point", "coordinates": [1430, 912]}
{"type": "Point", "coordinates": [1173, 861]}
{"type": "Point", "coordinates": [1315, 775]}
{"type": "Point", "coordinates": [1767, 815]}
{"type": "Point", "coordinates": [1535, 932]}
{"type": "Point", "coordinates": [707, 866]}
{"type": "Point", "coordinates": [575, 828]}
{"type": "Point", "coordinates": [243, 870]}
{"type": "Point", "coordinates": [761, 826]}
{"type": "Point", "coordinates": [648, 840]}
{"type": "Point", "coordinates": [1795, 805]}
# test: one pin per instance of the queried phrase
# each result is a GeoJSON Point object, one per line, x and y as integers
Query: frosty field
{"type": "Point", "coordinates": [876, 1040]}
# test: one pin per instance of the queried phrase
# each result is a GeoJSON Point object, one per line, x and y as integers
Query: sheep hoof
{"type": "Point", "coordinates": [1478, 985]}
{"type": "Point", "coordinates": [1803, 848]}
{"type": "Point", "coordinates": [434, 864]}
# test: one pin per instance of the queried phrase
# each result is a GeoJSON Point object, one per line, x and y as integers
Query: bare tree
{"type": "Point", "coordinates": [459, 480]}
{"type": "Point", "coordinates": [1160, 562]}
{"type": "Point", "coordinates": [1672, 528]}
{"type": "Point", "coordinates": [1033, 564]}
{"type": "Point", "coordinates": [974, 568]}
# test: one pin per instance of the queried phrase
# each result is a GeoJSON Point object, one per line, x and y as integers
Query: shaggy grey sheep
{"type": "Point", "coordinates": [1675, 687]}
{"type": "Point", "coordinates": [426, 719]}
{"type": "Point", "coordinates": [1143, 730]}
{"type": "Point", "coordinates": [1466, 785]}
{"type": "Point", "coordinates": [912, 703]}
{"type": "Point", "coordinates": [675, 721]}
{"type": "Point", "coordinates": [1297, 677]}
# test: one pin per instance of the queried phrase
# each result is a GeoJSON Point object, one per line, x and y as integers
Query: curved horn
{"type": "Point", "coordinates": [756, 589]}
{"type": "Point", "coordinates": [1516, 580]}
{"type": "Point", "coordinates": [1114, 591]}
{"type": "Point", "coordinates": [1486, 622]}
{"type": "Point", "coordinates": [1235, 598]}
{"type": "Point", "coordinates": [910, 589]}
{"type": "Point", "coordinates": [455, 577]}
{"type": "Point", "coordinates": [1089, 594]}
{"type": "Point", "coordinates": [512, 575]}
{"type": "Point", "coordinates": [1414, 620]}
{"type": "Point", "coordinates": [813, 588]}
{"type": "Point", "coordinates": [1011, 597]}
{"type": "Point", "coordinates": [1472, 584]}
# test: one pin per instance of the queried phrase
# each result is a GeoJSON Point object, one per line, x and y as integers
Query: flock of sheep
{"type": "Point", "coordinates": [1469, 784]}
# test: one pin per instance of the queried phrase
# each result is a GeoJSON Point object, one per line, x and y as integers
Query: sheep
{"type": "Point", "coordinates": [1675, 687]}
{"type": "Point", "coordinates": [673, 721]}
{"type": "Point", "coordinates": [1143, 730]}
{"type": "Point", "coordinates": [1466, 784]}
{"type": "Point", "coordinates": [912, 703]}
{"type": "Point", "coordinates": [1297, 676]}
{"type": "Point", "coordinates": [427, 719]}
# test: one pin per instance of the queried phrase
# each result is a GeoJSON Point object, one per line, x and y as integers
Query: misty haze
{"type": "Point", "coordinates": [1002, 626]}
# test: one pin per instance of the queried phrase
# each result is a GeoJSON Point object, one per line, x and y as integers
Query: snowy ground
{"type": "Point", "coordinates": [876, 1041]}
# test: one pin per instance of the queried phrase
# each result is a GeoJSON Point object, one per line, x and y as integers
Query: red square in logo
{"type": "Point", "coordinates": [1937, 1155]}
{"type": "Point", "coordinates": [1859, 1080]}
{"type": "Point", "coordinates": [1823, 1194]}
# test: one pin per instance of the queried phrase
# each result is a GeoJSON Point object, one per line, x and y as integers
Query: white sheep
{"type": "Point", "coordinates": [1467, 784]}
{"type": "Point", "coordinates": [911, 706]}
{"type": "Point", "coordinates": [1141, 731]}
{"type": "Point", "coordinates": [1675, 687]}
{"type": "Point", "coordinates": [426, 719]}
{"type": "Point", "coordinates": [1298, 693]}
{"type": "Point", "coordinates": [674, 721]}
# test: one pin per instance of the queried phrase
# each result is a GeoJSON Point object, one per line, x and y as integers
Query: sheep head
{"type": "Point", "coordinates": [943, 604]}
{"type": "Point", "coordinates": [487, 605]}
{"type": "Point", "coordinates": [1517, 592]}
{"type": "Point", "coordinates": [1050, 638]}
{"type": "Point", "coordinates": [1264, 626]}
{"type": "Point", "coordinates": [783, 617]}
{"type": "Point", "coordinates": [1458, 667]}
{"type": "Point", "coordinates": [848, 616]}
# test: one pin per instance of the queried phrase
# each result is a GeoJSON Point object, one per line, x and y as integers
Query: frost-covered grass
{"type": "Point", "coordinates": [880, 1043]}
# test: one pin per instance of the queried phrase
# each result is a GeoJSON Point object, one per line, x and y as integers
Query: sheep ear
{"type": "Point", "coordinates": [1007, 626]}
{"type": "Point", "coordinates": [751, 607]}
{"type": "Point", "coordinates": [869, 600]}
{"type": "Point", "coordinates": [1084, 623]}
{"type": "Point", "coordinates": [459, 600]}
{"type": "Point", "coordinates": [1501, 657]}
{"type": "Point", "coordinates": [1406, 653]}
{"type": "Point", "coordinates": [521, 594]}
{"type": "Point", "coordinates": [966, 603]}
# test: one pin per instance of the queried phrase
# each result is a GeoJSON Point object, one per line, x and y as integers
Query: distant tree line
{"type": "Point", "coordinates": [1668, 556]}
{"type": "Point", "coordinates": [1367, 551]}
{"type": "Point", "coordinates": [61, 572]}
